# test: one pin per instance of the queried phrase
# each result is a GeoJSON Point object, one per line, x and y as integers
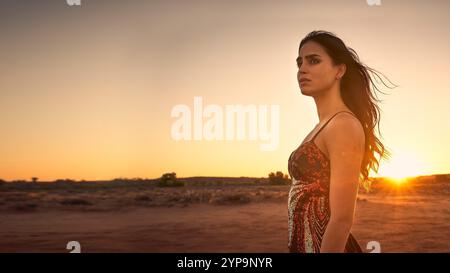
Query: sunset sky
{"type": "Point", "coordinates": [86, 92]}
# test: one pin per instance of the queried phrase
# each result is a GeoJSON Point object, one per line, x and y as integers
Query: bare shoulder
{"type": "Point", "coordinates": [344, 132]}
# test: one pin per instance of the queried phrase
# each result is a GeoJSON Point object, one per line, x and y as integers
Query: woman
{"type": "Point", "coordinates": [338, 153]}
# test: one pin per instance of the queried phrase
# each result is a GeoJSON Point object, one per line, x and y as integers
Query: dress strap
{"type": "Point", "coordinates": [328, 122]}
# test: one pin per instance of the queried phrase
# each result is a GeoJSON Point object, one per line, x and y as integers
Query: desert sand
{"type": "Point", "coordinates": [243, 218]}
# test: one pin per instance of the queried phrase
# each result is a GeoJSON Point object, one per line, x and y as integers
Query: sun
{"type": "Point", "coordinates": [402, 166]}
{"type": "Point", "coordinates": [399, 181]}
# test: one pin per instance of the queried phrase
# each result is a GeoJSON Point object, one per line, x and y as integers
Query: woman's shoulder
{"type": "Point", "coordinates": [344, 127]}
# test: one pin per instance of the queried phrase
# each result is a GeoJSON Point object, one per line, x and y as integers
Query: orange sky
{"type": "Point", "coordinates": [87, 92]}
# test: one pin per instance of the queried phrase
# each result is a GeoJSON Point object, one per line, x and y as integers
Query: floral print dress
{"type": "Point", "coordinates": [308, 201]}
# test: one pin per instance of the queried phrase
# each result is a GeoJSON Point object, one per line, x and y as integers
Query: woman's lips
{"type": "Point", "coordinates": [304, 82]}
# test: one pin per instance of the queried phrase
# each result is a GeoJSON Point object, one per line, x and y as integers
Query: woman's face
{"type": "Point", "coordinates": [316, 71]}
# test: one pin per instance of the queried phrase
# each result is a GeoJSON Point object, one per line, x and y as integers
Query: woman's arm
{"type": "Point", "coordinates": [344, 139]}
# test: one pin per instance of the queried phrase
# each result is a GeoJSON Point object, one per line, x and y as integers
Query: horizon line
{"type": "Point", "coordinates": [197, 176]}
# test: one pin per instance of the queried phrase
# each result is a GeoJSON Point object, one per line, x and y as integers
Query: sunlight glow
{"type": "Point", "coordinates": [401, 166]}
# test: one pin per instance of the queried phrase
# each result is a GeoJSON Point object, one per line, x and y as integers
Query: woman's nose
{"type": "Point", "coordinates": [302, 69]}
{"type": "Point", "coordinates": [301, 72]}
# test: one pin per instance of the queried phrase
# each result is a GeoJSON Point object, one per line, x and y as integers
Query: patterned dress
{"type": "Point", "coordinates": [308, 202]}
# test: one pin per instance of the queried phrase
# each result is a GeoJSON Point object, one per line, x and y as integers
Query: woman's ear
{"type": "Point", "coordinates": [341, 71]}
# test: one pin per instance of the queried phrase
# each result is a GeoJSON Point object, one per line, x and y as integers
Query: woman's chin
{"type": "Point", "coordinates": [305, 91]}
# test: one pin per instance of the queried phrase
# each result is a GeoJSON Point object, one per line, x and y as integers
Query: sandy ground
{"type": "Point", "coordinates": [398, 223]}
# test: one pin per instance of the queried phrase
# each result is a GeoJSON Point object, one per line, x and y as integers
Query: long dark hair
{"type": "Point", "coordinates": [358, 93]}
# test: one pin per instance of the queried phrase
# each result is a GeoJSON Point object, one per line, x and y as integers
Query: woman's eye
{"type": "Point", "coordinates": [312, 61]}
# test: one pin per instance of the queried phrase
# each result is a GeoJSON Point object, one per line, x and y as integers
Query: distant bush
{"type": "Point", "coordinates": [62, 181]}
{"type": "Point", "coordinates": [143, 198]}
{"type": "Point", "coordinates": [258, 181]}
{"type": "Point", "coordinates": [278, 178]}
{"type": "Point", "coordinates": [131, 180]}
{"type": "Point", "coordinates": [230, 199]}
{"type": "Point", "coordinates": [27, 207]}
{"type": "Point", "coordinates": [19, 181]}
{"type": "Point", "coordinates": [169, 180]}
{"type": "Point", "coordinates": [75, 202]}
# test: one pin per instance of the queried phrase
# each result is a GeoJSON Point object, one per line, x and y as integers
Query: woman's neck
{"type": "Point", "coordinates": [329, 103]}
